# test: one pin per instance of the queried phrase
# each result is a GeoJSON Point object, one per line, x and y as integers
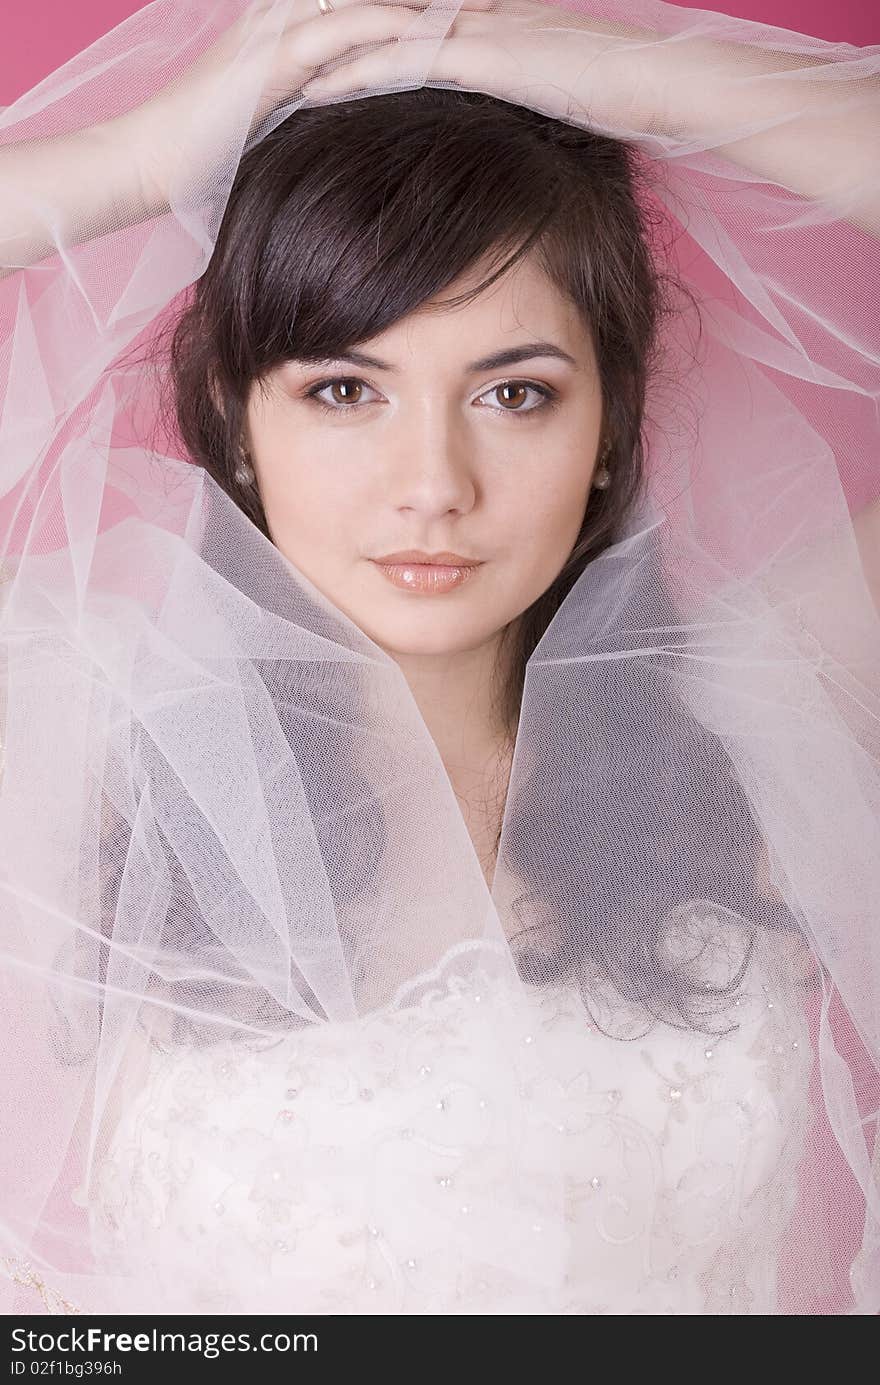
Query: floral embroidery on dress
{"type": "Point", "coordinates": [412, 1161]}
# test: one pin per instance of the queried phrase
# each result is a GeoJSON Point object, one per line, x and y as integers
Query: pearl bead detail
{"type": "Point", "coordinates": [282, 1196]}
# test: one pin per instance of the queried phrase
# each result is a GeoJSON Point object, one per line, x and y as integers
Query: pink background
{"type": "Point", "coordinates": [41, 35]}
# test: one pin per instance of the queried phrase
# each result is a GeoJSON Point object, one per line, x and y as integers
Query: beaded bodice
{"type": "Point", "coordinates": [484, 1151]}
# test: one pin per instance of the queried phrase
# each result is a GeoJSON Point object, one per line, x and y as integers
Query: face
{"type": "Point", "coordinates": [432, 446]}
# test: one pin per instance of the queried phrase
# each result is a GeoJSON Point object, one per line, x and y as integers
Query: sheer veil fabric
{"type": "Point", "coordinates": [272, 1041]}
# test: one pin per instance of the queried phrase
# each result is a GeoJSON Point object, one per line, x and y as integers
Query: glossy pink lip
{"type": "Point", "coordinates": [428, 579]}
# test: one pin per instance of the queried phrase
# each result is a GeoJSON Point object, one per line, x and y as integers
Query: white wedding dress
{"type": "Point", "coordinates": [257, 1174]}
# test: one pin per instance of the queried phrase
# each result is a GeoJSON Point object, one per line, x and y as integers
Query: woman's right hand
{"type": "Point", "coordinates": [66, 189]}
{"type": "Point", "coordinates": [266, 68]}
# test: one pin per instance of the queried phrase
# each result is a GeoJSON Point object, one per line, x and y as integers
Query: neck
{"type": "Point", "coordinates": [455, 694]}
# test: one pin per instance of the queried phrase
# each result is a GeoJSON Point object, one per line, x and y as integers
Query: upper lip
{"type": "Point", "coordinates": [414, 555]}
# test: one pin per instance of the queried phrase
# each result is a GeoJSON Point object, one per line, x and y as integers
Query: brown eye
{"type": "Point", "coordinates": [345, 394]}
{"type": "Point", "coordinates": [346, 391]}
{"type": "Point", "coordinates": [512, 393]}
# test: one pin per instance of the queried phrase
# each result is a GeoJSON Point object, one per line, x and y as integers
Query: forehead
{"type": "Point", "coordinates": [521, 304]}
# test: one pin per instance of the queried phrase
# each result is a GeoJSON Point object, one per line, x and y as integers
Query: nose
{"type": "Point", "coordinates": [433, 470]}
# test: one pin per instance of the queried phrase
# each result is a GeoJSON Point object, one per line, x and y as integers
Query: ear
{"type": "Point", "coordinates": [217, 399]}
{"type": "Point", "coordinates": [215, 393]}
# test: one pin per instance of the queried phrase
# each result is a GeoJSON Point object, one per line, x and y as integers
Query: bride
{"type": "Point", "coordinates": [441, 768]}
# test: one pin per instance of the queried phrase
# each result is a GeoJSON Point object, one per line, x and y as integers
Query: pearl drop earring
{"type": "Point", "coordinates": [602, 477]}
{"type": "Point", "coordinates": [244, 472]}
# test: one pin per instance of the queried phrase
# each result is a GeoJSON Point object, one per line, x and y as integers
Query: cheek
{"type": "Point", "coordinates": [551, 508]}
{"type": "Point", "coordinates": [303, 494]}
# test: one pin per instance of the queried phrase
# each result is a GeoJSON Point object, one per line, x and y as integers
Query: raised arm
{"type": "Point", "coordinates": [64, 190]}
{"type": "Point", "coordinates": [786, 115]}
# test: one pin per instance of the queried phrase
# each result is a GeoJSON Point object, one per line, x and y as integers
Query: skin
{"type": "Point", "coordinates": [434, 456]}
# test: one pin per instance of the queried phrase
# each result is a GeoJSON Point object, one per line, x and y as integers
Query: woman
{"type": "Point", "coordinates": [487, 937]}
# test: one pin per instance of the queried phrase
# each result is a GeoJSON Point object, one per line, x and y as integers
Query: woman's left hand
{"type": "Point", "coordinates": [772, 111]}
{"type": "Point", "coordinates": [567, 66]}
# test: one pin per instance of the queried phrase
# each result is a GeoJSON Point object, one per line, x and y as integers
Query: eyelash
{"type": "Point", "coordinates": [550, 396]}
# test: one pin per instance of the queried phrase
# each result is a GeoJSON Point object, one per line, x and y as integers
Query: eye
{"type": "Point", "coordinates": [351, 388]}
{"type": "Point", "coordinates": [514, 390]}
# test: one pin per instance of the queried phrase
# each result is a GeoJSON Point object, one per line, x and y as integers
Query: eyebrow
{"type": "Point", "coordinates": [512, 355]}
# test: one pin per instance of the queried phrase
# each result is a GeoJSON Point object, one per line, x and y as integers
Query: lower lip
{"type": "Point", "coordinates": [426, 578]}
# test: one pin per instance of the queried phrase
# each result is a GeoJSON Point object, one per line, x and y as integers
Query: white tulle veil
{"type": "Point", "coordinates": [206, 809]}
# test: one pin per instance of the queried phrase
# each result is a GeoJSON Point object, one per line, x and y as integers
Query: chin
{"type": "Point", "coordinates": [425, 636]}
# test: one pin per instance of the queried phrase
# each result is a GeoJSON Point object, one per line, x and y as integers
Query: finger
{"type": "Point", "coordinates": [315, 42]}
{"type": "Point", "coordinates": [464, 61]}
{"type": "Point", "coordinates": [305, 8]}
